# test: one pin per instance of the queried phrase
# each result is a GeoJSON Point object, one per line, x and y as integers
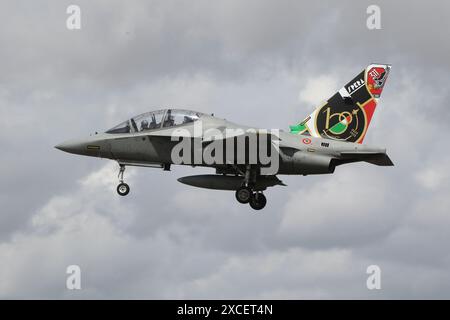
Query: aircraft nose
{"type": "Point", "coordinates": [71, 146]}
{"type": "Point", "coordinates": [92, 146]}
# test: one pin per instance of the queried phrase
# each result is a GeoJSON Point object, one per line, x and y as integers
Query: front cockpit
{"type": "Point", "coordinates": [156, 120]}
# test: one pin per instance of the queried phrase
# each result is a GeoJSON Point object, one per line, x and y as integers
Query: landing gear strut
{"type": "Point", "coordinates": [122, 189]}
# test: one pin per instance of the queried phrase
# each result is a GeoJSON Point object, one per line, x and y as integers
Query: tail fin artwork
{"type": "Point", "coordinates": [347, 114]}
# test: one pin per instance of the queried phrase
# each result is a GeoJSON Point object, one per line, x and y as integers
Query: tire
{"type": "Point", "coordinates": [123, 189]}
{"type": "Point", "coordinates": [243, 194]}
{"type": "Point", "coordinates": [258, 201]}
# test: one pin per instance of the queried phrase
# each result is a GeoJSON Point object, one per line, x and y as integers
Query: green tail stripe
{"type": "Point", "coordinates": [297, 128]}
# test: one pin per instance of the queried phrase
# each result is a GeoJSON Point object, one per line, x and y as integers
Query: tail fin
{"type": "Point", "coordinates": [347, 114]}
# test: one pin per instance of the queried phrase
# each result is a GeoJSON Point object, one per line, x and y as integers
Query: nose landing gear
{"type": "Point", "coordinates": [122, 189]}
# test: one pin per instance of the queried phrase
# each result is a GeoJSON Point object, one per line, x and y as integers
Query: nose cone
{"type": "Point", "coordinates": [72, 146]}
{"type": "Point", "coordinates": [97, 146]}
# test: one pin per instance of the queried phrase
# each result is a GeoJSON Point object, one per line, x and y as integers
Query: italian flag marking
{"type": "Point", "coordinates": [341, 126]}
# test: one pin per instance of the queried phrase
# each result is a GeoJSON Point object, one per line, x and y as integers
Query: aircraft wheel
{"type": "Point", "coordinates": [243, 194]}
{"type": "Point", "coordinates": [123, 189]}
{"type": "Point", "coordinates": [258, 201]}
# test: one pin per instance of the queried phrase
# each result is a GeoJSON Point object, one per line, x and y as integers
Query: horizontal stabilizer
{"type": "Point", "coordinates": [377, 158]}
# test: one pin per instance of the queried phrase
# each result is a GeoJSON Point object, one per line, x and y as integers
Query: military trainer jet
{"type": "Point", "coordinates": [246, 160]}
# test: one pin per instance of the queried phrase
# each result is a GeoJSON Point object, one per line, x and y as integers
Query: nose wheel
{"type": "Point", "coordinates": [122, 189]}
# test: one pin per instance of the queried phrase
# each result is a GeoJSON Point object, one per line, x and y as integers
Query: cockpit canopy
{"type": "Point", "coordinates": [156, 120]}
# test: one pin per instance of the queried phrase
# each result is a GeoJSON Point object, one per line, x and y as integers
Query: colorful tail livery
{"type": "Point", "coordinates": [347, 114]}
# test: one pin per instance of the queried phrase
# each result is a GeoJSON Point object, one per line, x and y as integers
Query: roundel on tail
{"type": "Point", "coordinates": [346, 123]}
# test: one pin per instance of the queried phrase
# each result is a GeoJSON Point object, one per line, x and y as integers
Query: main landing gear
{"type": "Point", "coordinates": [256, 199]}
{"type": "Point", "coordinates": [122, 189]}
{"type": "Point", "coordinates": [246, 194]}
{"type": "Point", "coordinates": [243, 194]}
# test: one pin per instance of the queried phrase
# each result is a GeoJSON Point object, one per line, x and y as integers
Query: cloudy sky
{"type": "Point", "coordinates": [261, 63]}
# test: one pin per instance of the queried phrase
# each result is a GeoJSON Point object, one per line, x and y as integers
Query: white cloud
{"type": "Point", "coordinates": [318, 89]}
{"type": "Point", "coordinates": [434, 176]}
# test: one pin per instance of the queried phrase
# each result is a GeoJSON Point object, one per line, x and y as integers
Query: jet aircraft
{"type": "Point", "coordinates": [247, 161]}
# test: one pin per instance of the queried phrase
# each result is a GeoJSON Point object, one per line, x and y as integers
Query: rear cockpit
{"type": "Point", "coordinates": [156, 120]}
